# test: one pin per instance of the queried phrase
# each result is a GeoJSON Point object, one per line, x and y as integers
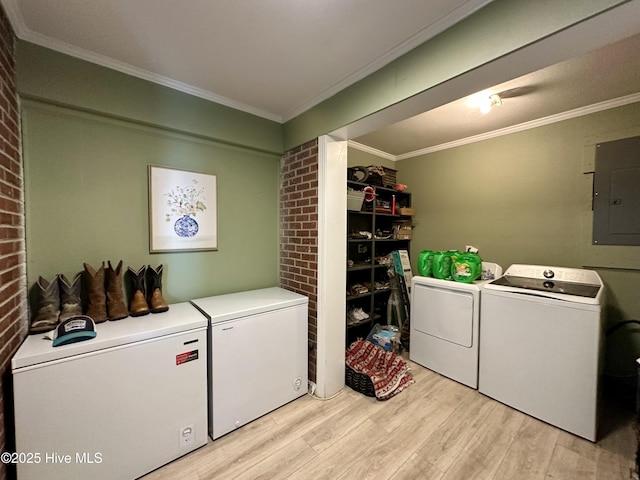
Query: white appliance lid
{"type": "Point", "coordinates": [565, 274]}
{"type": "Point", "coordinates": [546, 285]}
{"type": "Point", "coordinates": [475, 286]}
{"type": "Point", "coordinates": [220, 308]}
{"type": "Point", "coordinates": [181, 317]}
{"type": "Point", "coordinates": [554, 282]}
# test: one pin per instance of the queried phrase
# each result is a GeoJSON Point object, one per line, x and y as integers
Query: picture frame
{"type": "Point", "coordinates": [183, 213]}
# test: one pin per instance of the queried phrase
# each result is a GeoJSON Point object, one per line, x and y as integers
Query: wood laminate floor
{"type": "Point", "coordinates": [436, 429]}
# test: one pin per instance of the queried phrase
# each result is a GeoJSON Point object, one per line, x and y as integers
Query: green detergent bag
{"type": "Point", "coordinates": [466, 268]}
{"type": "Point", "coordinates": [425, 263]}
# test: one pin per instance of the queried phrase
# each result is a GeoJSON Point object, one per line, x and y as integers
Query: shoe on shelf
{"type": "Point", "coordinates": [358, 289]}
{"type": "Point", "coordinates": [356, 315]}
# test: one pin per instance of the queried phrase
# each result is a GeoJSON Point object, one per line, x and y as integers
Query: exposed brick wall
{"type": "Point", "coordinates": [299, 232]}
{"type": "Point", "coordinates": [13, 290]}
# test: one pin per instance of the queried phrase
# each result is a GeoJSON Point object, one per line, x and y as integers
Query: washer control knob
{"type": "Point", "coordinates": [548, 274]}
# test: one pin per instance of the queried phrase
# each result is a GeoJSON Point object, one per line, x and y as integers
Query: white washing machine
{"type": "Point", "coordinates": [541, 344]}
{"type": "Point", "coordinates": [445, 319]}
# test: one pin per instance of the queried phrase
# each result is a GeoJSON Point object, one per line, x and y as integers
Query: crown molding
{"type": "Point", "coordinates": [122, 67]}
{"type": "Point", "coordinates": [578, 112]}
{"type": "Point", "coordinates": [433, 29]}
{"type": "Point", "coordinates": [371, 150]}
{"type": "Point", "coordinates": [559, 117]}
{"type": "Point", "coordinates": [15, 17]}
{"type": "Point", "coordinates": [438, 26]}
{"type": "Point", "coordinates": [24, 33]}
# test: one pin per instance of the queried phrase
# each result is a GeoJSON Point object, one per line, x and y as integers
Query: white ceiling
{"type": "Point", "coordinates": [600, 79]}
{"type": "Point", "coordinates": [278, 58]}
{"type": "Point", "coordinates": [273, 58]}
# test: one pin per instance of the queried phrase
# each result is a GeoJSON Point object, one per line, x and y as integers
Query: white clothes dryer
{"type": "Point", "coordinates": [541, 344]}
{"type": "Point", "coordinates": [445, 320]}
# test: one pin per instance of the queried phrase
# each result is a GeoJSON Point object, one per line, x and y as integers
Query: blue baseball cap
{"type": "Point", "coordinates": [74, 329]}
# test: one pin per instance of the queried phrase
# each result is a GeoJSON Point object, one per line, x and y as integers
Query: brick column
{"type": "Point", "coordinates": [13, 289]}
{"type": "Point", "coordinates": [299, 231]}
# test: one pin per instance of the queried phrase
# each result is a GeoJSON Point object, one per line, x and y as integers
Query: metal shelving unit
{"type": "Point", "coordinates": [363, 267]}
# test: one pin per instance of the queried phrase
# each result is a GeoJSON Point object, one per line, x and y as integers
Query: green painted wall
{"type": "Point", "coordinates": [64, 80]}
{"type": "Point", "coordinates": [86, 201]}
{"type": "Point", "coordinates": [89, 134]}
{"type": "Point", "coordinates": [524, 198]}
{"type": "Point", "coordinates": [501, 27]}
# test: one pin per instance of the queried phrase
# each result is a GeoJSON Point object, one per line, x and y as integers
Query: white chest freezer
{"type": "Point", "coordinates": [117, 406]}
{"type": "Point", "coordinates": [258, 354]}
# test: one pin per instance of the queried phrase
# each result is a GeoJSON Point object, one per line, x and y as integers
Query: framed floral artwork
{"type": "Point", "coordinates": [182, 210]}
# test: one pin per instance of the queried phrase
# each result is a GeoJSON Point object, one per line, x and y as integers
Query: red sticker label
{"type": "Point", "coordinates": [186, 357]}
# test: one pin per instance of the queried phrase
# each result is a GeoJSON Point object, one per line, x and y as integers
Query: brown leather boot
{"type": "Point", "coordinates": [48, 306]}
{"type": "Point", "coordinates": [116, 306]}
{"type": "Point", "coordinates": [97, 308]}
{"type": "Point", "coordinates": [70, 304]}
{"type": "Point", "coordinates": [138, 305]}
{"type": "Point", "coordinates": [154, 290]}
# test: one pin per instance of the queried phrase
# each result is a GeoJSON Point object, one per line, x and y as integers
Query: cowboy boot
{"type": "Point", "coordinates": [154, 290]}
{"type": "Point", "coordinates": [138, 305]}
{"type": "Point", "coordinates": [48, 306]}
{"type": "Point", "coordinates": [116, 306]}
{"type": "Point", "coordinates": [97, 308]}
{"type": "Point", "coordinates": [70, 297]}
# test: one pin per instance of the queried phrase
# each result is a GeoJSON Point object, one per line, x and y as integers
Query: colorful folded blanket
{"type": "Point", "coordinates": [388, 372]}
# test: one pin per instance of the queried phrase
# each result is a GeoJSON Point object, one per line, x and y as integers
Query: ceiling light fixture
{"type": "Point", "coordinates": [486, 100]}
{"type": "Point", "coordinates": [487, 103]}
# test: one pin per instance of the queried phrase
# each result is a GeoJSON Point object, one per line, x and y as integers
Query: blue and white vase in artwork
{"type": "Point", "coordinates": [186, 226]}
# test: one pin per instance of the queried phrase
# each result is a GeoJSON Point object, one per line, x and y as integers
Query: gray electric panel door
{"type": "Point", "coordinates": [616, 205]}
